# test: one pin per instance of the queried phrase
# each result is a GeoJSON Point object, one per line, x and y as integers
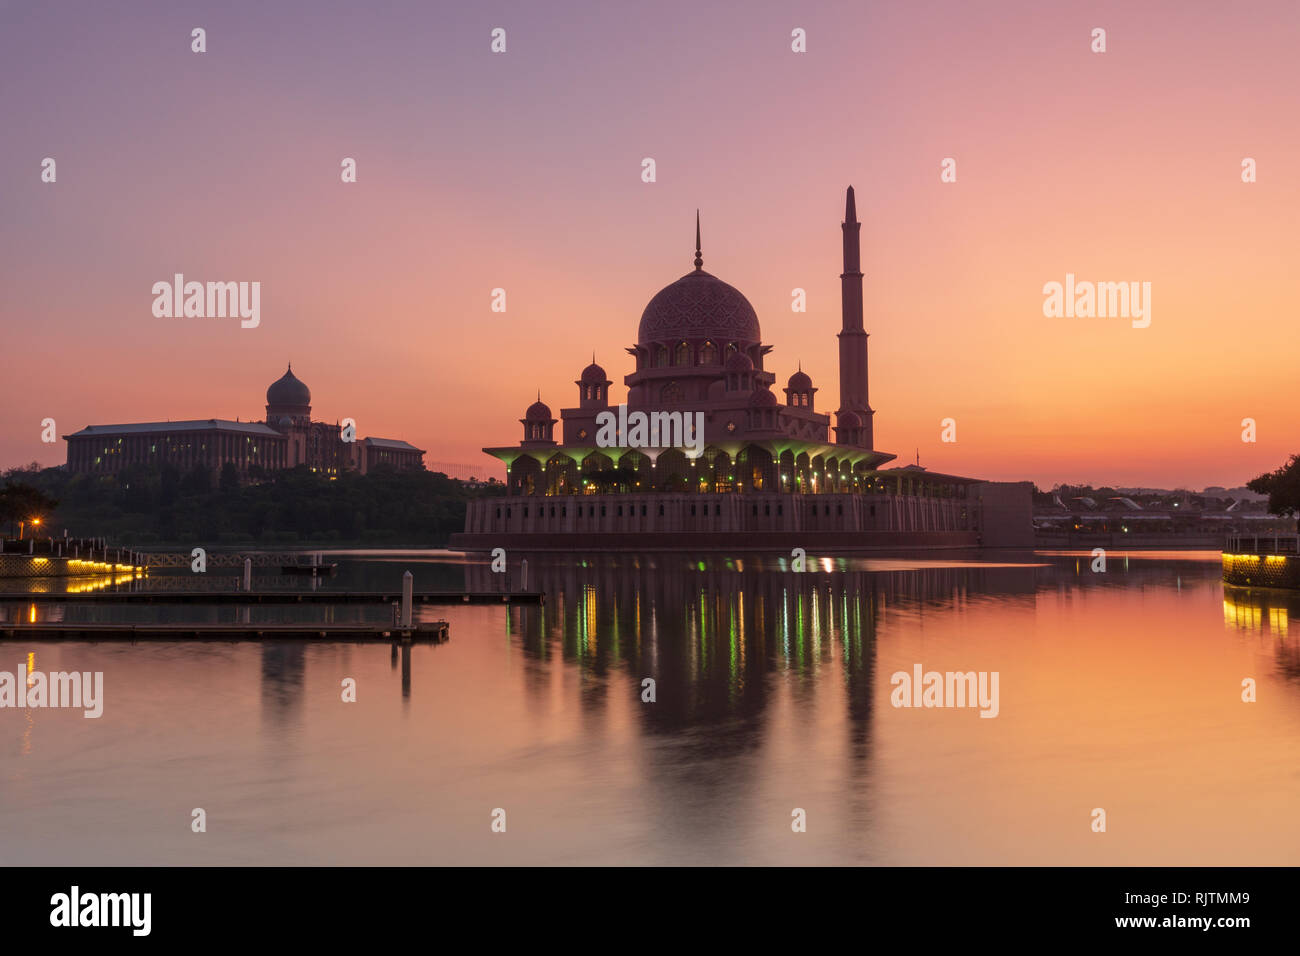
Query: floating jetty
{"type": "Point", "coordinates": [273, 597]}
{"type": "Point", "coordinates": [1262, 561]}
{"type": "Point", "coordinates": [309, 570]}
{"type": "Point", "coordinates": [402, 628]}
{"type": "Point", "coordinates": [66, 558]}
{"type": "Point", "coordinates": [431, 631]}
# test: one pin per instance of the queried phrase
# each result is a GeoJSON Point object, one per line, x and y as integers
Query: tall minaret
{"type": "Point", "coordinates": [853, 338]}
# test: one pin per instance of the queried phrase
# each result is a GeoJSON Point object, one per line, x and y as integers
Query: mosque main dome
{"type": "Point", "coordinates": [288, 390]}
{"type": "Point", "coordinates": [699, 306]}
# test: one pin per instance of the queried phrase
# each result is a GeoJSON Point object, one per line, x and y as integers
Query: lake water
{"type": "Point", "coordinates": [1119, 690]}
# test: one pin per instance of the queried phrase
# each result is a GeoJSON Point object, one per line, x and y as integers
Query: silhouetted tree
{"type": "Point", "coordinates": [197, 481]}
{"type": "Point", "coordinates": [1282, 487]}
{"type": "Point", "coordinates": [168, 485]}
{"type": "Point", "coordinates": [229, 483]}
{"type": "Point", "coordinates": [20, 501]}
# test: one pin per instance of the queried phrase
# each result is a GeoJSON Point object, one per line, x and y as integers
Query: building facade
{"type": "Point", "coordinates": [288, 438]}
{"type": "Point", "coordinates": [765, 471]}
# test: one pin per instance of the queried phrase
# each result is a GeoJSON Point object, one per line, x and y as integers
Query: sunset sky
{"type": "Point", "coordinates": [522, 171]}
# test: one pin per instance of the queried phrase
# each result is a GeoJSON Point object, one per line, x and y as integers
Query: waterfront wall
{"type": "Point", "coordinates": [1262, 570]}
{"type": "Point", "coordinates": [995, 514]}
{"type": "Point", "coordinates": [697, 541]}
{"type": "Point", "coordinates": [714, 513]}
{"type": "Point", "coordinates": [1119, 541]}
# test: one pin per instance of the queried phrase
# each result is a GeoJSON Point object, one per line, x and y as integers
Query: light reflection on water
{"type": "Point", "coordinates": [1119, 690]}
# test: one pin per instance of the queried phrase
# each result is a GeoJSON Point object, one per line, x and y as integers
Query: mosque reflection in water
{"type": "Point", "coordinates": [711, 632]}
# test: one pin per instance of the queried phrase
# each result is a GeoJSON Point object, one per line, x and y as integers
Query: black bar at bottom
{"type": "Point", "coordinates": [333, 905]}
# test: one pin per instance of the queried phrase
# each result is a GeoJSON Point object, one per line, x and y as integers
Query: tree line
{"type": "Point", "coordinates": [150, 504]}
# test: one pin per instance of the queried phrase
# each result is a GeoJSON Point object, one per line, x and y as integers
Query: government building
{"type": "Point", "coordinates": [769, 471]}
{"type": "Point", "coordinates": [286, 439]}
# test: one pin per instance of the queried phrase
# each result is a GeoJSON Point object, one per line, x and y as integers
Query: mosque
{"type": "Point", "coordinates": [286, 439]}
{"type": "Point", "coordinates": [769, 472]}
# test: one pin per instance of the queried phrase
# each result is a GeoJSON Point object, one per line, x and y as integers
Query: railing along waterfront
{"type": "Point", "coordinates": [1263, 544]}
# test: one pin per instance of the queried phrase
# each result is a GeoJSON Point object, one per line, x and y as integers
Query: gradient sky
{"type": "Point", "coordinates": [522, 171]}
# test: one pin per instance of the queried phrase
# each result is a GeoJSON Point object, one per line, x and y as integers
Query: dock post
{"type": "Point", "coordinates": [408, 584]}
{"type": "Point", "coordinates": [248, 574]}
{"type": "Point", "coordinates": [523, 575]}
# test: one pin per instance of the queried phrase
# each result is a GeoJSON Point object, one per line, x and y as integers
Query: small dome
{"type": "Point", "coordinates": [850, 420]}
{"type": "Point", "coordinates": [288, 390]}
{"type": "Point", "coordinates": [800, 381]}
{"type": "Point", "coordinates": [762, 398]}
{"type": "Point", "coordinates": [539, 411]}
{"type": "Point", "coordinates": [739, 362]}
{"type": "Point", "coordinates": [593, 374]}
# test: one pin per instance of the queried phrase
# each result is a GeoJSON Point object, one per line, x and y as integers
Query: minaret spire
{"type": "Point", "coordinates": [699, 258]}
{"type": "Point", "coordinates": [853, 337]}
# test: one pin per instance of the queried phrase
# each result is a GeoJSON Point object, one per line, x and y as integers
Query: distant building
{"type": "Point", "coordinates": [288, 438]}
{"type": "Point", "coordinates": [388, 451]}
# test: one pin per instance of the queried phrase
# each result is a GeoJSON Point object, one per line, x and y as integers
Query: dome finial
{"type": "Point", "coordinates": [699, 259]}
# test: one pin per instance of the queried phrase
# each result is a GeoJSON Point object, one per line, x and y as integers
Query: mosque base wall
{"type": "Point", "coordinates": [731, 521]}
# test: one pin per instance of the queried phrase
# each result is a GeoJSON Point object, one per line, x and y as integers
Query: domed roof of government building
{"type": "Point", "coordinates": [762, 398]}
{"type": "Point", "coordinates": [699, 306]}
{"type": "Point", "coordinates": [593, 374]}
{"type": "Point", "coordinates": [799, 380]}
{"type": "Point", "coordinates": [288, 390]}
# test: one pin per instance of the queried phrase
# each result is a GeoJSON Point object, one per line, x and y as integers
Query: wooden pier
{"type": "Point", "coordinates": [433, 631]}
{"type": "Point", "coordinates": [402, 628]}
{"type": "Point", "coordinates": [273, 597]}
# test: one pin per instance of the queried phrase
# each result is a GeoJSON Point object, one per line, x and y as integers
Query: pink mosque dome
{"type": "Point", "coordinates": [699, 306]}
{"type": "Point", "coordinates": [762, 398]}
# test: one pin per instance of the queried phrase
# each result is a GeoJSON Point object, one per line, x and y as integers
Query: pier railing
{"type": "Point", "coordinates": [83, 549]}
{"type": "Point", "coordinates": [1263, 544]}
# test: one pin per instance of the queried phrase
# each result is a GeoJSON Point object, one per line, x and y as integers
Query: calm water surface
{"type": "Point", "coordinates": [1119, 690]}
